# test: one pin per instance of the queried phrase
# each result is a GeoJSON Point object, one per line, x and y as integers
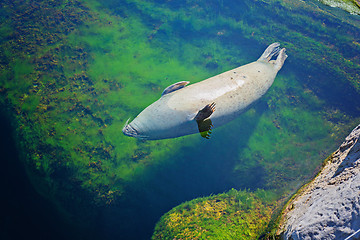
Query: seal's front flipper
{"type": "Point", "coordinates": [205, 112]}
{"type": "Point", "coordinates": [174, 87]}
{"type": "Point", "coordinates": [205, 124]}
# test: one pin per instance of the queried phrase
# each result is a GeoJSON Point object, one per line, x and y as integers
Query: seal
{"type": "Point", "coordinates": [200, 107]}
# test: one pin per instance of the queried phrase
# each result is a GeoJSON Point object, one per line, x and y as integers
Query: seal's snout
{"type": "Point", "coordinates": [131, 131]}
{"type": "Point", "coordinates": [128, 130]}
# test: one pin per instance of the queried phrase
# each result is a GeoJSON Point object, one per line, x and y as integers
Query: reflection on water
{"type": "Point", "coordinates": [74, 72]}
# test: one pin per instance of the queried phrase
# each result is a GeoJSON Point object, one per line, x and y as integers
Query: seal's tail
{"type": "Point", "coordinates": [280, 59]}
{"type": "Point", "coordinates": [270, 51]}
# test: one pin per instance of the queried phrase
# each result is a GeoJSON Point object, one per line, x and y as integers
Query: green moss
{"type": "Point", "coordinates": [20, 74]}
{"type": "Point", "coordinates": [30, 103]}
{"type": "Point", "coordinates": [5, 32]}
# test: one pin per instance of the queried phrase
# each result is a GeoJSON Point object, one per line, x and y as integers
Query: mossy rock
{"type": "Point", "coordinates": [231, 215]}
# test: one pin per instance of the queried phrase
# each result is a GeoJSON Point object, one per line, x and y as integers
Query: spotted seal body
{"type": "Point", "coordinates": [208, 104]}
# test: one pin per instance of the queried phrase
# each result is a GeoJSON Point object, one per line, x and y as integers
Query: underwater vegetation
{"type": "Point", "coordinates": [72, 72]}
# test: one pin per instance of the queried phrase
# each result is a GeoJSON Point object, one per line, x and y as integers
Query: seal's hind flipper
{"type": "Point", "coordinates": [174, 87]}
{"type": "Point", "coordinates": [281, 59]}
{"type": "Point", "coordinates": [271, 51]}
{"type": "Point", "coordinates": [205, 124]}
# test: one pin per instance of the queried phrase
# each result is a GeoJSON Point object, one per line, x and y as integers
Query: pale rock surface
{"type": "Point", "coordinates": [329, 207]}
{"type": "Point", "coordinates": [352, 7]}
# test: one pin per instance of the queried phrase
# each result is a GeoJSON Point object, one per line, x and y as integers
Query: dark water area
{"type": "Point", "coordinates": [24, 214]}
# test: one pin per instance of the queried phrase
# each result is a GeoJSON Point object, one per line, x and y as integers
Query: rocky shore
{"type": "Point", "coordinates": [351, 6]}
{"type": "Point", "coordinates": [329, 206]}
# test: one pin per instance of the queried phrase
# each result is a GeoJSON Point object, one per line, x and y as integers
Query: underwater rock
{"type": "Point", "coordinates": [352, 6]}
{"type": "Point", "coordinates": [329, 206]}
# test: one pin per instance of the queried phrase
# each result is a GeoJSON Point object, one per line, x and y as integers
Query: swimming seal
{"type": "Point", "coordinates": [183, 110]}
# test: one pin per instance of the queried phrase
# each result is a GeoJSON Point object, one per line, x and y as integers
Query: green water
{"type": "Point", "coordinates": [74, 72]}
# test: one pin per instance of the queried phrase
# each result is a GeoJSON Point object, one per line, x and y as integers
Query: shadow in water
{"type": "Point", "coordinates": [200, 170]}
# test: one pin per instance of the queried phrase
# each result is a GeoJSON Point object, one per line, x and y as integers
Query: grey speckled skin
{"type": "Point", "coordinates": [233, 92]}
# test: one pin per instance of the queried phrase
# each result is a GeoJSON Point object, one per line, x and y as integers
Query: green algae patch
{"type": "Point", "coordinates": [231, 215]}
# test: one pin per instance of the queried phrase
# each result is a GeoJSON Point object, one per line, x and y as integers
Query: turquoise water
{"type": "Point", "coordinates": [74, 78]}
